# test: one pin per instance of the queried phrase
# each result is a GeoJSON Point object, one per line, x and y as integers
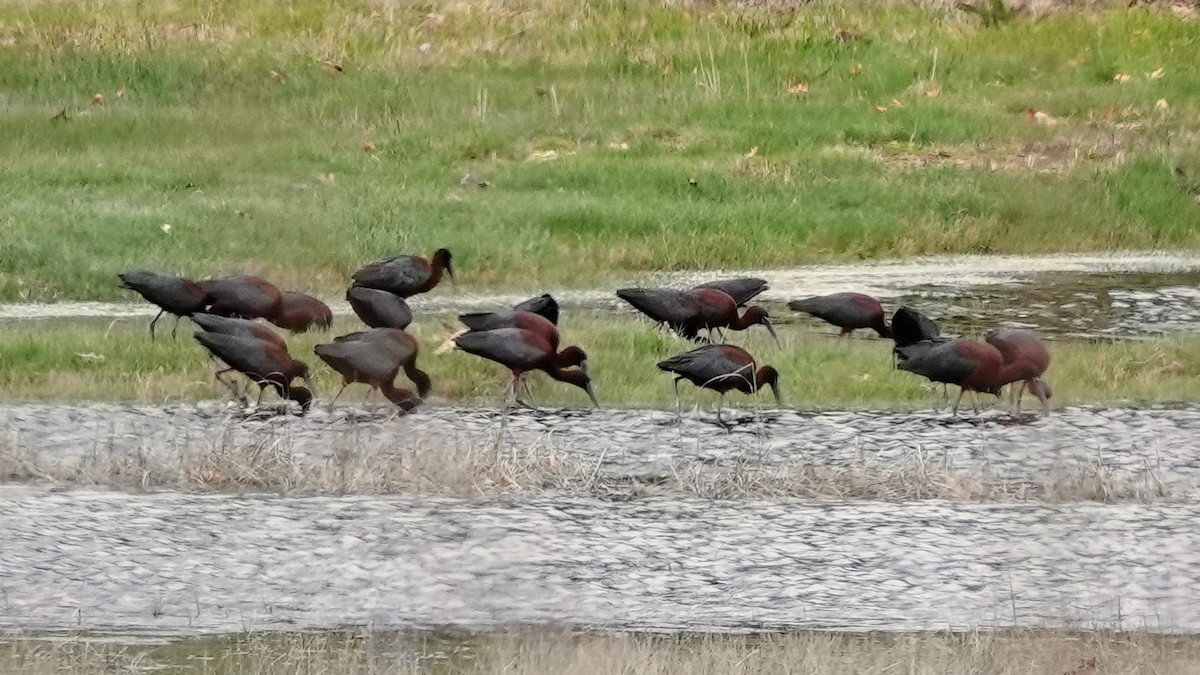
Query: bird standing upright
{"type": "Point", "coordinates": [405, 275]}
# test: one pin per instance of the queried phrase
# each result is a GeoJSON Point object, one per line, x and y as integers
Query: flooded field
{"type": "Point", "coordinates": [1100, 296]}
{"type": "Point", "coordinates": [187, 564]}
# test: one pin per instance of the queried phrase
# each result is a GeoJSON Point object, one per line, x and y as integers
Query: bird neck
{"type": "Point", "coordinates": [573, 376]}
{"type": "Point", "coordinates": [419, 378]}
{"type": "Point", "coordinates": [746, 320]}
{"type": "Point", "coordinates": [403, 398]}
{"type": "Point", "coordinates": [884, 330]}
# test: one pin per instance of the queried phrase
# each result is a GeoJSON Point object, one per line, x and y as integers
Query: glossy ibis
{"type": "Point", "coordinates": [910, 327]}
{"type": "Point", "coordinates": [848, 311]}
{"type": "Point", "coordinates": [524, 320]}
{"type": "Point", "coordinates": [405, 275]}
{"type": "Point", "coordinates": [721, 368]}
{"type": "Point", "coordinates": [742, 289]}
{"type": "Point", "coordinates": [244, 296]}
{"type": "Point", "coordinates": [299, 312]}
{"type": "Point", "coordinates": [379, 309]}
{"type": "Point", "coordinates": [689, 312]}
{"type": "Point", "coordinates": [972, 366]}
{"type": "Point", "coordinates": [375, 357]}
{"type": "Point", "coordinates": [214, 323]}
{"type": "Point", "coordinates": [1022, 347]}
{"type": "Point", "coordinates": [523, 350]}
{"type": "Point", "coordinates": [265, 363]}
{"type": "Point", "coordinates": [171, 294]}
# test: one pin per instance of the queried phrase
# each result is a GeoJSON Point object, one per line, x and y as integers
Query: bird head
{"type": "Point", "coordinates": [304, 373]}
{"type": "Point", "coordinates": [759, 315]}
{"type": "Point", "coordinates": [443, 258]}
{"type": "Point", "coordinates": [767, 375]}
{"type": "Point", "coordinates": [302, 396]}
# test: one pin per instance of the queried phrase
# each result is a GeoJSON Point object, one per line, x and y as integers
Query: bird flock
{"type": "Point", "coordinates": [525, 338]}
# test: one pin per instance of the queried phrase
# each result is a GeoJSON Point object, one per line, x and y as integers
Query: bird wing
{"type": "Point", "coordinates": [910, 327]}
{"type": "Point", "coordinates": [244, 354]}
{"type": "Point", "coordinates": [709, 362]}
{"type": "Point", "coordinates": [174, 294]}
{"type": "Point", "coordinates": [938, 361]}
{"type": "Point", "coordinates": [665, 305]}
{"type": "Point", "coordinates": [382, 309]}
{"type": "Point", "coordinates": [512, 347]}
{"type": "Point", "coordinates": [480, 321]}
{"type": "Point", "coordinates": [544, 305]}
{"type": "Point", "coordinates": [742, 289]}
{"type": "Point", "coordinates": [360, 360]}
{"type": "Point", "coordinates": [399, 274]}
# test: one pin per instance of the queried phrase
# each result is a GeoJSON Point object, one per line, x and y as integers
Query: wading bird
{"type": "Point", "coordinates": [299, 312]}
{"type": "Point", "coordinates": [265, 363]}
{"type": "Point", "coordinates": [721, 368]}
{"type": "Point", "coordinates": [741, 289]}
{"type": "Point", "coordinates": [244, 296]}
{"type": "Point", "coordinates": [379, 309]}
{"type": "Point", "coordinates": [970, 365]}
{"type": "Point", "coordinates": [405, 275]}
{"type": "Point", "coordinates": [523, 350]}
{"type": "Point", "coordinates": [375, 357]}
{"type": "Point", "coordinates": [543, 306]}
{"type": "Point", "coordinates": [848, 311]}
{"type": "Point", "coordinates": [524, 320]}
{"type": "Point", "coordinates": [689, 312]}
{"type": "Point", "coordinates": [1023, 348]}
{"type": "Point", "coordinates": [171, 294]}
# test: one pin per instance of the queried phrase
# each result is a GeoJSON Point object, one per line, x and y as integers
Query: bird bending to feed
{"type": "Point", "coordinates": [523, 350]}
{"type": "Point", "coordinates": [741, 289]}
{"type": "Point", "coordinates": [405, 275]}
{"type": "Point", "coordinates": [374, 357]}
{"type": "Point", "coordinates": [244, 296]}
{"type": "Point", "coordinates": [263, 362]}
{"type": "Point", "coordinates": [170, 293]}
{"type": "Point", "coordinates": [848, 311]}
{"type": "Point", "coordinates": [689, 312]}
{"type": "Point", "coordinates": [379, 309]}
{"type": "Point", "coordinates": [970, 365]}
{"type": "Point", "coordinates": [721, 368]}
{"type": "Point", "coordinates": [1019, 346]}
{"type": "Point", "coordinates": [298, 312]}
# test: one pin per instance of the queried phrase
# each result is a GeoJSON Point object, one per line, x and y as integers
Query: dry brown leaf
{"type": "Point", "coordinates": [121, 92]}
{"type": "Point", "coordinates": [277, 76]}
{"type": "Point", "coordinates": [369, 147]}
{"type": "Point", "coordinates": [61, 116]}
{"type": "Point", "coordinates": [1162, 104]}
{"type": "Point", "coordinates": [752, 153]}
{"type": "Point", "coordinates": [1156, 75]}
{"type": "Point", "coordinates": [670, 67]}
{"type": "Point", "coordinates": [880, 109]}
{"type": "Point", "coordinates": [1121, 78]}
{"type": "Point", "coordinates": [896, 103]}
{"type": "Point", "coordinates": [933, 90]}
{"type": "Point", "coordinates": [797, 88]}
{"type": "Point", "coordinates": [856, 70]}
{"type": "Point", "coordinates": [98, 99]}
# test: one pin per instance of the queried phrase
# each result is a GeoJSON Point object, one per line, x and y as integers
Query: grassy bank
{"type": "Point", "coordinates": [549, 651]}
{"type": "Point", "coordinates": [551, 141]}
{"type": "Point", "coordinates": [102, 361]}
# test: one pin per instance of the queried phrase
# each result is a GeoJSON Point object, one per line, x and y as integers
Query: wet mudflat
{"type": "Point", "coordinates": [1155, 447]}
{"type": "Point", "coordinates": [1098, 296]}
{"type": "Point", "coordinates": [177, 563]}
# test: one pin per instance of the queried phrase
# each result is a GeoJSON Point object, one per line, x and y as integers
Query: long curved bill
{"type": "Point", "coordinates": [591, 392]}
{"type": "Point", "coordinates": [775, 390]}
{"type": "Point", "coordinates": [771, 330]}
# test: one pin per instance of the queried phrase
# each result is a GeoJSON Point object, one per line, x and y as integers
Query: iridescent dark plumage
{"type": "Point", "coordinates": [245, 296]}
{"type": "Point", "coordinates": [379, 309]}
{"type": "Point", "coordinates": [299, 312]}
{"type": "Point", "coordinates": [405, 275]}
{"type": "Point", "coordinates": [741, 289]}
{"type": "Point", "coordinates": [525, 350]}
{"type": "Point", "coordinates": [375, 357]}
{"type": "Point", "coordinates": [848, 311]}
{"type": "Point", "coordinates": [691, 311]}
{"type": "Point", "coordinates": [266, 364]}
{"type": "Point", "coordinates": [721, 368]}
{"type": "Point", "coordinates": [171, 294]}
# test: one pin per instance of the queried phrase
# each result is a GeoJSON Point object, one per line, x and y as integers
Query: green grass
{"type": "Point", "coordinates": [634, 98]}
{"type": "Point", "coordinates": [84, 361]}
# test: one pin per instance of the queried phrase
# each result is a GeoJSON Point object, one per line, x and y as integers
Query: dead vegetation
{"type": "Point", "coordinates": [570, 653]}
{"type": "Point", "coordinates": [497, 469]}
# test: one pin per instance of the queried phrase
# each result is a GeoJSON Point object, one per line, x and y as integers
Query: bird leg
{"type": "Point", "coordinates": [154, 321]}
{"type": "Point", "coordinates": [339, 393]}
{"type": "Point", "coordinates": [720, 403]}
{"type": "Point", "coordinates": [678, 403]}
{"type": "Point", "coordinates": [232, 387]}
{"type": "Point", "coordinates": [175, 328]}
{"type": "Point", "coordinates": [523, 383]}
{"type": "Point", "coordinates": [1019, 396]}
{"type": "Point", "coordinates": [975, 401]}
{"type": "Point", "coordinates": [958, 400]}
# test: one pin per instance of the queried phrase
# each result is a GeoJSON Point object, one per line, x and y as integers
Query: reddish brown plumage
{"type": "Point", "coordinates": [299, 312]}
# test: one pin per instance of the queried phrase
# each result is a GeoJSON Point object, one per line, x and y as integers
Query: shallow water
{"type": "Point", "coordinates": [186, 564]}
{"type": "Point", "coordinates": [1097, 296]}
{"type": "Point", "coordinates": [1133, 446]}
